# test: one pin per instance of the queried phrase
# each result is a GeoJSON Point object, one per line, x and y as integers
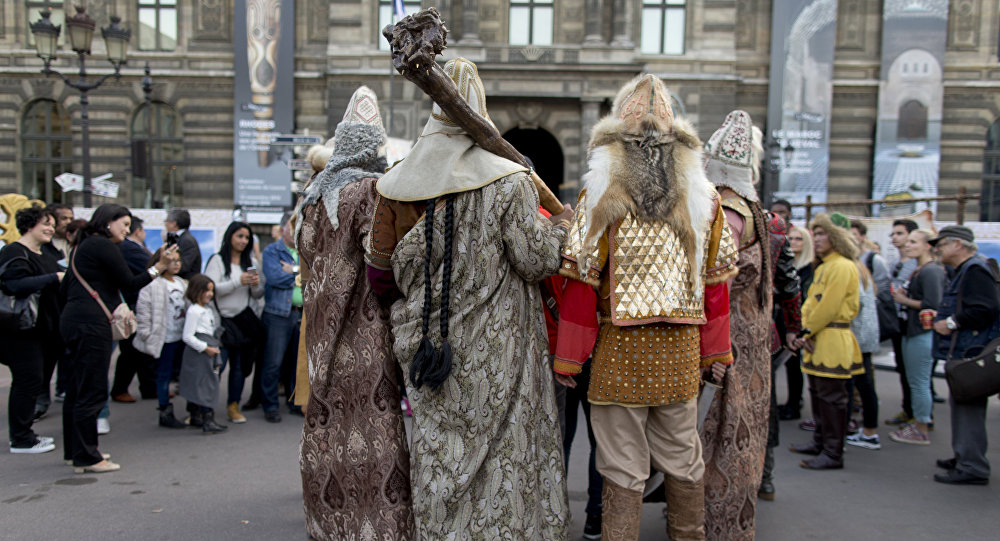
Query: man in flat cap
{"type": "Point", "coordinates": [969, 317]}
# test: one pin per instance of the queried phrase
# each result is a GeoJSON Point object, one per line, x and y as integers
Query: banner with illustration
{"type": "Point", "coordinates": [911, 98]}
{"type": "Point", "coordinates": [264, 88]}
{"type": "Point", "coordinates": [797, 138]}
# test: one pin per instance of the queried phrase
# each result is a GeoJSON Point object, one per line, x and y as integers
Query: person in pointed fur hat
{"type": "Point", "coordinates": [650, 250]}
{"type": "Point", "coordinates": [457, 241]}
{"type": "Point", "coordinates": [734, 434]}
{"type": "Point", "coordinates": [832, 356]}
{"type": "Point", "coordinates": [354, 459]}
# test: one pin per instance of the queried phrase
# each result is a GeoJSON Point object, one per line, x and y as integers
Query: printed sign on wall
{"type": "Point", "coordinates": [797, 142]}
{"type": "Point", "coordinates": [264, 100]}
{"type": "Point", "coordinates": [911, 99]}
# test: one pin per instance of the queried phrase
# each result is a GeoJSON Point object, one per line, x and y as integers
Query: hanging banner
{"type": "Point", "coordinates": [264, 101]}
{"type": "Point", "coordinates": [797, 145]}
{"type": "Point", "coordinates": [911, 96]}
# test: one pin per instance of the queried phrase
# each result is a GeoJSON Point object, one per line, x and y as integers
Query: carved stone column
{"type": "Point", "coordinates": [590, 114]}
{"type": "Point", "coordinates": [470, 23]}
{"type": "Point", "coordinates": [592, 29]}
{"type": "Point", "coordinates": [623, 25]}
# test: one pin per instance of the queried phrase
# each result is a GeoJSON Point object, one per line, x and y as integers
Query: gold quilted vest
{"type": "Point", "coordinates": [650, 268]}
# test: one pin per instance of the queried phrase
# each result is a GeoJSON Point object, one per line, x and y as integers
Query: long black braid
{"type": "Point", "coordinates": [432, 365]}
{"type": "Point", "coordinates": [424, 357]}
{"type": "Point", "coordinates": [439, 372]}
{"type": "Point", "coordinates": [763, 235]}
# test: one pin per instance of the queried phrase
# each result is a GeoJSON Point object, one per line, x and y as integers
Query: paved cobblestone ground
{"type": "Point", "coordinates": [245, 484]}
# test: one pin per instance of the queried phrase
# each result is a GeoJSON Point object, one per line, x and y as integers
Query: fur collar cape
{"type": "Point", "coordinates": [655, 176]}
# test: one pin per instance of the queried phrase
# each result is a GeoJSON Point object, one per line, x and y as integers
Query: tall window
{"type": "Point", "coordinates": [46, 150]}
{"type": "Point", "coordinates": [165, 187]}
{"type": "Point", "coordinates": [58, 17]}
{"type": "Point", "coordinates": [387, 16]}
{"type": "Point", "coordinates": [531, 22]}
{"type": "Point", "coordinates": [989, 205]}
{"type": "Point", "coordinates": [157, 25]}
{"type": "Point", "coordinates": [663, 23]}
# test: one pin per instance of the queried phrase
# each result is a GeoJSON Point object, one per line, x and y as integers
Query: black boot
{"type": "Point", "coordinates": [195, 416]}
{"type": "Point", "coordinates": [210, 426]}
{"type": "Point", "coordinates": [167, 418]}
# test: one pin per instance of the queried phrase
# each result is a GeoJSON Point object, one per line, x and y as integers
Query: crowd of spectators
{"type": "Point", "coordinates": [89, 275]}
{"type": "Point", "coordinates": [937, 300]}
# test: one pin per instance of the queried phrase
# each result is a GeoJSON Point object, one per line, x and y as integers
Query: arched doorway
{"type": "Point", "coordinates": [912, 121]}
{"type": "Point", "coordinates": [544, 151]}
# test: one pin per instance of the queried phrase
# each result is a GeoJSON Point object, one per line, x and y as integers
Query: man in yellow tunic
{"type": "Point", "coordinates": [831, 353]}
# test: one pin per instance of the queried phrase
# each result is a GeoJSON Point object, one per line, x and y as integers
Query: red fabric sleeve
{"type": "Point", "coordinates": [552, 288]}
{"type": "Point", "coordinates": [715, 343]}
{"type": "Point", "coordinates": [577, 328]}
{"type": "Point", "coordinates": [383, 282]}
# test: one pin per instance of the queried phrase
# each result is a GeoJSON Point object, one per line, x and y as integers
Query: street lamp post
{"type": "Point", "coordinates": [81, 32]}
{"type": "Point", "coordinates": [147, 90]}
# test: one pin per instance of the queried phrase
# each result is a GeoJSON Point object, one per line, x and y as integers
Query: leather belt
{"type": "Point", "coordinates": [838, 325]}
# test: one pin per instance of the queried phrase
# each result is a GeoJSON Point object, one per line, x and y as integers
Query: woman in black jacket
{"type": "Point", "coordinates": [29, 270]}
{"type": "Point", "coordinates": [87, 331]}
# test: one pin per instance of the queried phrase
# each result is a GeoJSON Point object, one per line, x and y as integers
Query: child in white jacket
{"type": "Point", "coordinates": [199, 382]}
{"type": "Point", "coordinates": [159, 316]}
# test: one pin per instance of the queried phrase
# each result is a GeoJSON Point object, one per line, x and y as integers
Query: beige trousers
{"type": "Point", "coordinates": [628, 439]}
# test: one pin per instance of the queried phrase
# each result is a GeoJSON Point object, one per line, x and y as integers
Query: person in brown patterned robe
{"type": "Point", "coordinates": [734, 435]}
{"type": "Point", "coordinates": [354, 457]}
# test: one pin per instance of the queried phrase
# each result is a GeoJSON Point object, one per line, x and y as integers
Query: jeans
{"type": "Point", "coordinates": [865, 384]}
{"type": "Point", "coordinates": [234, 358]}
{"type": "Point", "coordinates": [170, 356]}
{"type": "Point", "coordinates": [282, 333]}
{"type": "Point", "coordinates": [917, 356]}
{"type": "Point", "coordinates": [575, 398]}
{"type": "Point", "coordinates": [900, 354]}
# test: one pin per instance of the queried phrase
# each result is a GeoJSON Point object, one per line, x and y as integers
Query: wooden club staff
{"type": "Point", "coordinates": [416, 40]}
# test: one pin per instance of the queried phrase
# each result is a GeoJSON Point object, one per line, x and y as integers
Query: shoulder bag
{"type": "Point", "coordinates": [17, 313]}
{"type": "Point", "coordinates": [122, 321]}
{"type": "Point", "coordinates": [242, 329]}
{"type": "Point", "coordinates": [888, 319]}
{"type": "Point", "coordinates": [976, 375]}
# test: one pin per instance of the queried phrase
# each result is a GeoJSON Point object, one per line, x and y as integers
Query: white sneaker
{"type": "Point", "coordinates": [46, 439]}
{"type": "Point", "coordinates": [39, 447]}
{"type": "Point", "coordinates": [103, 425]}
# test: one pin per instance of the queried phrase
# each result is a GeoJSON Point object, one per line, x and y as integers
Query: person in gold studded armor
{"type": "Point", "coordinates": [650, 250]}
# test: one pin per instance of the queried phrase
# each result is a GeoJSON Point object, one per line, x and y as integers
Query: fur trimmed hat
{"type": "Point", "coordinates": [840, 237]}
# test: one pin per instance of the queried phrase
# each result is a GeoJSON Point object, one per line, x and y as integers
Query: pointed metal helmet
{"type": "Point", "coordinates": [644, 103]}
{"type": "Point", "coordinates": [470, 87]}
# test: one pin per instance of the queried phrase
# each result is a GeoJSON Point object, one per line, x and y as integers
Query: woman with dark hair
{"type": "Point", "coordinates": [24, 270]}
{"type": "Point", "coordinates": [96, 264]}
{"type": "Point", "coordinates": [234, 271]}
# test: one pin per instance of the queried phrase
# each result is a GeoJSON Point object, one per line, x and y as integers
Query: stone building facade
{"type": "Point", "coordinates": [545, 92]}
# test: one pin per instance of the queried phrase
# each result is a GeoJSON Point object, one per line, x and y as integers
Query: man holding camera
{"type": "Point", "coordinates": [177, 223]}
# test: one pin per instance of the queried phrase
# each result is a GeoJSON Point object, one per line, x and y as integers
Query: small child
{"type": "Point", "coordinates": [159, 316]}
{"type": "Point", "coordinates": [199, 382]}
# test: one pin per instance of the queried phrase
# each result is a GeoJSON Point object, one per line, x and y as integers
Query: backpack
{"type": "Point", "coordinates": [888, 321]}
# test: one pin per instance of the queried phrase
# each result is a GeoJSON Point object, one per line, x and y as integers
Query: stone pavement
{"type": "Point", "coordinates": [244, 484]}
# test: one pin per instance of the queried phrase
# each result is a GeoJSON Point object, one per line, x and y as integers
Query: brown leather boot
{"type": "Point", "coordinates": [685, 509]}
{"type": "Point", "coordinates": [622, 513]}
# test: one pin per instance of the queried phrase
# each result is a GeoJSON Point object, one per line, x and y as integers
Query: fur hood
{"type": "Point", "coordinates": [656, 176]}
{"type": "Point", "coordinates": [840, 238]}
